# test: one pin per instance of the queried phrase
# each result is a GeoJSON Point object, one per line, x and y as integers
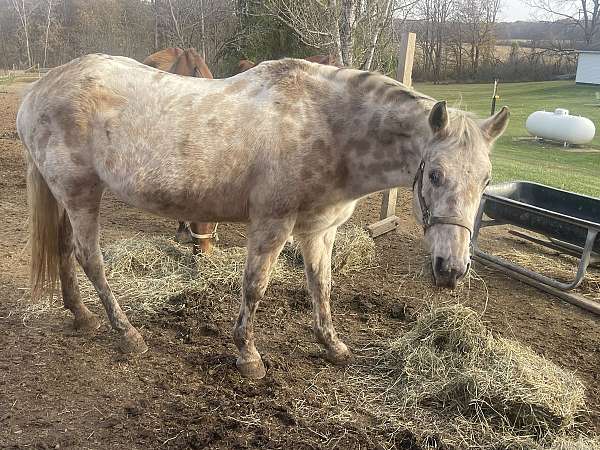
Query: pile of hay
{"type": "Point", "coordinates": [450, 382]}
{"type": "Point", "coordinates": [152, 271]}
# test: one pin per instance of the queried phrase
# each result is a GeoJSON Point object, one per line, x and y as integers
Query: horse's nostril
{"type": "Point", "coordinates": [452, 279]}
{"type": "Point", "coordinates": [438, 264]}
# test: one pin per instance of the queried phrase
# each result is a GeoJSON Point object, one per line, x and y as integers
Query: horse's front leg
{"type": "Point", "coordinates": [265, 241]}
{"type": "Point", "coordinates": [182, 235]}
{"type": "Point", "coordinates": [203, 236]}
{"type": "Point", "coordinates": [316, 252]}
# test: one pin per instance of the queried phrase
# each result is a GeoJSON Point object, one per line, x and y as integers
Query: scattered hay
{"type": "Point", "coordinates": [576, 443]}
{"type": "Point", "coordinates": [153, 271]}
{"type": "Point", "coordinates": [451, 383]}
{"type": "Point", "coordinates": [559, 266]}
{"type": "Point", "coordinates": [353, 251]}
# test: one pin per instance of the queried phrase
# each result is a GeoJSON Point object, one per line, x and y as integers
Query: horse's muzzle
{"type": "Point", "coordinates": [444, 275]}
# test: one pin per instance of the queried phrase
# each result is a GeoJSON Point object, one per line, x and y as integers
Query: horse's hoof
{"type": "Point", "coordinates": [339, 356]}
{"type": "Point", "coordinates": [254, 369]}
{"type": "Point", "coordinates": [132, 342]}
{"type": "Point", "coordinates": [87, 323]}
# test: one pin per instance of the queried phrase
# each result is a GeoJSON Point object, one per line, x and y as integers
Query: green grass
{"type": "Point", "coordinates": [6, 79]}
{"type": "Point", "coordinates": [527, 160]}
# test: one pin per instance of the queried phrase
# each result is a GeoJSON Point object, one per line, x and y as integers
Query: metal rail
{"type": "Point", "coordinates": [536, 279]}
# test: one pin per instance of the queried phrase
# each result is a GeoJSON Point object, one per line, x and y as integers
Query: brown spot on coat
{"type": "Point", "coordinates": [236, 87]}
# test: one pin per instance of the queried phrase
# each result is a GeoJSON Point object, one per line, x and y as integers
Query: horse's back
{"type": "Point", "coordinates": [159, 141]}
{"type": "Point", "coordinates": [178, 145]}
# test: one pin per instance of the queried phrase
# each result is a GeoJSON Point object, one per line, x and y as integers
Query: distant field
{"type": "Point", "coordinates": [524, 160]}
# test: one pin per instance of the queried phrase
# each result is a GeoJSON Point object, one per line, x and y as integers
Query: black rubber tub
{"type": "Point", "coordinates": [557, 214]}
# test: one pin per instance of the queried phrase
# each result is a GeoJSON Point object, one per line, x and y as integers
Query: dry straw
{"type": "Point", "coordinates": [151, 271]}
{"type": "Point", "coordinates": [446, 383]}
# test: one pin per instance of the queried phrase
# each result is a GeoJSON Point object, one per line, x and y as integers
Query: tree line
{"type": "Point", "coordinates": [456, 39]}
{"type": "Point", "coordinates": [52, 32]}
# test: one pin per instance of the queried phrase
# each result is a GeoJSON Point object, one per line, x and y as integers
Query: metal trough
{"type": "Point", "coordinates": [570, 221]}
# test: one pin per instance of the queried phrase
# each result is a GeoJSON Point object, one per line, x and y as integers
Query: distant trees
{"type": "Point", "coordinates": [448, 31]}
{"type": "Point", "coordinates": [456, 38]}
{"type": "Point", "coordinates": [350, 29]}
{"type": "Point", "coordinates": [583, 15]}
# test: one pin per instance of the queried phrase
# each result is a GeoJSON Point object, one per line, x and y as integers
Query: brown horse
{"type": "Point", "coordinates": [245, 64]}
{"type": "Point", "coordinates": [187, 63]}
{"type": "Point", "coordinates": [289, 146]}
{"type": "Point", "coordinates": [328, 60]}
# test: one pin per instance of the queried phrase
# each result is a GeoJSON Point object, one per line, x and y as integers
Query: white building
{"type": "Point", "coordinates": [588, 65]}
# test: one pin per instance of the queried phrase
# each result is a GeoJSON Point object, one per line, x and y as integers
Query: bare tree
{"type": "Point", "coordinates": [581, 14]}
{"type": "Point", "coordinates": [24, 10]}
{"type": "Point", "coordinates": [350, 29]}
{"type": "Point", "coordinates": [176, 23]}
{"type": "Point", "coordinates": [47, 31]}
{"type": "Point", "coordinates": [377, 16]}
{"type": "Point", "coordinates": [433, 33]}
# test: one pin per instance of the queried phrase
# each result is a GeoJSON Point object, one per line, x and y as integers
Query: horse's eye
{"type": "Point", "coordinates": [435, 176]}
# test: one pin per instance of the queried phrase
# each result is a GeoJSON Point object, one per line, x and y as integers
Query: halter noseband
{"type": "Point", "coordinates": [428, 219]}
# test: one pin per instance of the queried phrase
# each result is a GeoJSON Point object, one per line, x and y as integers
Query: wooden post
{"type": "Point", "coordinates": [388, 219]}
{"type": "Point", "coordinates": [494, 98]}
{"type": "Point", "coordinates": [406, 58]}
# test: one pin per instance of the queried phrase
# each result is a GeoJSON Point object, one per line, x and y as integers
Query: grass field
{"type": "Point", "coordinates": [528, 160]}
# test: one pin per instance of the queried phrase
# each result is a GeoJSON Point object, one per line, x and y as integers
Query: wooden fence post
{"type": "Point", "coordinates": [388, 220]}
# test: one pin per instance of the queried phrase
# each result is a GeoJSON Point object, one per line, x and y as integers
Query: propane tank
{"type": "Point", "coordinates": [561, 126]}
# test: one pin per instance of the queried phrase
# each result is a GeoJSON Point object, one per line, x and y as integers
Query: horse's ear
{"type": "Point", "coordinates": [438, 117]}
{"type": "Point", "coordinates": [495, 125]}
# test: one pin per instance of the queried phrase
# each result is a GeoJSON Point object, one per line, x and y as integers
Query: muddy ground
{"type": "Point", "coordinates": [59, 389]}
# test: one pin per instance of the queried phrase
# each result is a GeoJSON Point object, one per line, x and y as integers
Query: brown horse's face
{"type": "Point", "coordinates": [191, 64]}
{"type": "Point", "coordinates": [452, 176]}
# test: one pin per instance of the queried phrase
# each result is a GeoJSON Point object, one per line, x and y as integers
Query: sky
{"type": "Point", "coordinates": [513, 10]}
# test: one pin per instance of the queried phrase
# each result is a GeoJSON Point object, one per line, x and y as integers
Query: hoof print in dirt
{"type": "Point", "coordinates": [285, 416]}
{"type": "Point", "coordinates": [185, 335]}
{"type": "Point", "coordinates": [209, 329]}
{"type": "Point", "coordinates": [402, 311]}
{"type": "Point", "coordinates": [363, 304]}
{"type": "Point", "coordinates": [134, 410]}
{"type": "Point", "coordinates": [298, 299]}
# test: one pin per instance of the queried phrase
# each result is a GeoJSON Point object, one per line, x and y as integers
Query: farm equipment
{"type": "Point", "coordinates": [569, 221]}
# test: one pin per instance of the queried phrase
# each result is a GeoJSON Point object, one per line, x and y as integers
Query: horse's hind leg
{"type": "Point", "coordinates": [316, 252]}
{"type": "Point", "coordinates": [84, 319]}
{"type": "Point", "coordinates": [87, 250]}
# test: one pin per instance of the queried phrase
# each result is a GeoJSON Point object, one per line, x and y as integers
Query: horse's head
{"type": "Point", "coordinates": [327, 60]}
{"type": "Point", "coordinates": [448, 185]}
{"type": "Point", "coordinates": [245, 64]}
{"type": "Point", "coordinates": [191, 64]}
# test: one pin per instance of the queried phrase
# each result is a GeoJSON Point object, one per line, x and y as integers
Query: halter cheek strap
{"type": "Point", "coordinates": [430, 220]}
{"type": "Point", "coordinates": [214, 235]}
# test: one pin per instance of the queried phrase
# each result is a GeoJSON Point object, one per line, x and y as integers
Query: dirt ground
{"type": "Point", "coordinates": [59, 389]}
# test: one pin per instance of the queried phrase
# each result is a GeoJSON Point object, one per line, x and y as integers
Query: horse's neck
{"type": "Point", "coordinates": [388, 160]}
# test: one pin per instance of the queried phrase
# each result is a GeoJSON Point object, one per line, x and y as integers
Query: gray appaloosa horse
{"type": "Point", "coordinates": [288, 146]}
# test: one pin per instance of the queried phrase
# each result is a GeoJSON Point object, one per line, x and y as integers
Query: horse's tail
{"type": "Point", "coordinates": [44, 218]}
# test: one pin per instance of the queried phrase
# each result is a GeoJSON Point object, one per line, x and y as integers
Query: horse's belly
{"type": "Point", "coordinates": [182, 203]}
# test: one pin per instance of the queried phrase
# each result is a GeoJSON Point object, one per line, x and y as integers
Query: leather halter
{"type": "Point", "coordinates": [214, 235]}
{"type": "Point", "coordinates": [430, 220]}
